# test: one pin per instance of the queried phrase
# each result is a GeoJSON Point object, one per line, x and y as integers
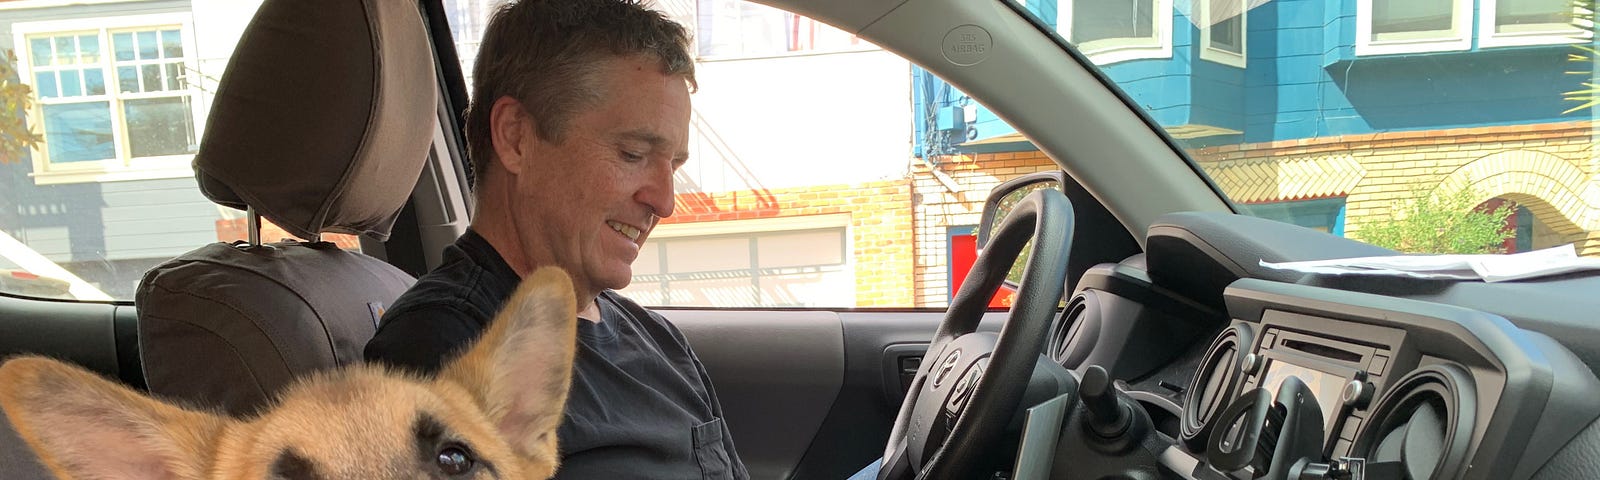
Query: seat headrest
{"type": "Point", "coordinates": [324, 116]}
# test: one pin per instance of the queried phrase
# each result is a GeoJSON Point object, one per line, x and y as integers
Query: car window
{"type": "Point", "coordinates": [1448, 126]}
{"type": "Point", "coordinates": [101, 109]}
{"type": "Point", "coordinates": [825, 172]}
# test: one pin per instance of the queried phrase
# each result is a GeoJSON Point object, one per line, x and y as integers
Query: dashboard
{"type": "Point", "coordinates": [1243, 377]}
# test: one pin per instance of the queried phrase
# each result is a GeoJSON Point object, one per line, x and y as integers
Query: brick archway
{"type": "Point", "coordinates": [1557, 192]}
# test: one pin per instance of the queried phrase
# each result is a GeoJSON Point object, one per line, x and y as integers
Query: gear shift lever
{"type": "Point", "coordinates": [1109, 417]}
{"type": "Point", "coordinates": [1115, 423]}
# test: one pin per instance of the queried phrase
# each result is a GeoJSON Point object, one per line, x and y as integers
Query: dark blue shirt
{"type": "Point", "coordinates": [641, 404]}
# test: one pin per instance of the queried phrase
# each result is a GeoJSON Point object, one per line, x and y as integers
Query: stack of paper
{"type": "Point", "coordinates": [1489, 268]}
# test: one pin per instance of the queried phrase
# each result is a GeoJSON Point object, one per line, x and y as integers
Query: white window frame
{"type": "Point", "coordinates": [1458, 38]}
{"type": "Point", "coordinates": [758, 225]}
{"type": "Point", "coordinates": [1211, 53]}
{"type": "Point", "coordinates": [1117, 50]}
{"type": "Point", "coordinates": [1542, 34]}
{"type": "Point", "coordinates": [774, 225]}
{"type": "Point", "coordinates": [123, 167]}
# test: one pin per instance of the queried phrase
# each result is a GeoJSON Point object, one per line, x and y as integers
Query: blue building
{"type": "Point", "coordinates": [1330, 114]}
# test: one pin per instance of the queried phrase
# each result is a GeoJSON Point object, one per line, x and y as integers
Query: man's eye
{"type": "Point", "coordinates": [632, 157]}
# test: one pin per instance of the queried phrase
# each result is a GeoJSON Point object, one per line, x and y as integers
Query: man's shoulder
{"type": "Point", "coordinates": [458, 285]}
{"type": "Point", "coordinates": [428, 323]}
{"type": "Point", "coordinates": [430, 294]}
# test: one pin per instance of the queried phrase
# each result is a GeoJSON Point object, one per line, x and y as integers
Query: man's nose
{"type": "Point", "coordinates": [657, 191]}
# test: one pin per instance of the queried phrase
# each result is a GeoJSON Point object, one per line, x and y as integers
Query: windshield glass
{"type": "Point", "coordinates": [1450, 126]}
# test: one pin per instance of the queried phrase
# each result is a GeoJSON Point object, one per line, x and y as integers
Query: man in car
{"type": "Point", "coordinates": [579, 117]}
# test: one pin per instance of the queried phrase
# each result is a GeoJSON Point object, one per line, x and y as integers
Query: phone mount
{"type": "Point", "coordinates": [1275, 437]}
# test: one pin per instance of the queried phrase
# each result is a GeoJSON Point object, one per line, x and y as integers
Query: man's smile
{"type": "Point", "coordinates": [626, 230]}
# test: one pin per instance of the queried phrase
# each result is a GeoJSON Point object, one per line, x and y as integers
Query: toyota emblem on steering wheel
{"type": "Point", "coordinates": [946, 367]}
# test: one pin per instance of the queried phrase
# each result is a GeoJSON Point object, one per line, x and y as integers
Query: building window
{"type": "Point", "coordinates": [1323, 214]}
{"type": "Point", "coordinates": [737, 28]}
{"type": "Point", "coordinates": [1509, 23]}
{"type": "Point", "coordinates": [786, 268]}
{"type": "Point", "coordinates": [1111, 31]}
{"type": "Point", "coordinates": [1222, 32]}
{"type": "Point", "coordinates": [115, 100]}
{"type": "Point", "coordinates": [1412, 26]}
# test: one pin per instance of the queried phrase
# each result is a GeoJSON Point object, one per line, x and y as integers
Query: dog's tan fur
{"type": "Point", "coordinates": [502, 400]}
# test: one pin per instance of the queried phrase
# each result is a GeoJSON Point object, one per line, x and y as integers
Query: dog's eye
{"type": "Point", "coordinates": [455, 459]}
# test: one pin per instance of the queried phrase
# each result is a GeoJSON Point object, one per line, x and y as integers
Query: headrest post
{"type": "Point", "coordinates": [253, 223]}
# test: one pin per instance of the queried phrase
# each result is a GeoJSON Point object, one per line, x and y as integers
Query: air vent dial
{"type": "Point", "coordinates": [1214, 383]}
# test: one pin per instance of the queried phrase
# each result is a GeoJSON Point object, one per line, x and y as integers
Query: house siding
{"type": "Point", "coordinates": [106, 232]}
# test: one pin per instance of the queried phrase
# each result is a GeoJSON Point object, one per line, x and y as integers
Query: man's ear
{"type": "Point", "coordinates": [83, 426]}
{"type": "Point", "coordinates": [520, 370]}
{"type": "Point", "coordinates": [510, 130]}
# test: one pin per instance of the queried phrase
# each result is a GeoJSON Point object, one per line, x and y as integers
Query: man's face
{"type": "Point", "coordinates": [588, 202]}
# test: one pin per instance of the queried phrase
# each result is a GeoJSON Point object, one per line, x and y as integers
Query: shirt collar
{"type": "Point", "coordinates": [482, 253]}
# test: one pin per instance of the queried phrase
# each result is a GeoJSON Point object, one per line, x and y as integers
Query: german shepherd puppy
{"type": "Point", "coordinates": [492, 413]}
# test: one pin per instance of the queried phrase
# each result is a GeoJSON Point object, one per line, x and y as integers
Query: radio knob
{"type": "Point", "coordinates": [1356, 394]}
{"type": "Point", "coordinates": [1250, 364]}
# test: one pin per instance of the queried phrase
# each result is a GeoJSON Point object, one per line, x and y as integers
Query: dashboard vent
{"type": "Point", "coordinates": [1213, 385]}
{"type": "Point", "coordinates": [1422, 426]}
{"type": "Point", "coordinates": [1074, 333]}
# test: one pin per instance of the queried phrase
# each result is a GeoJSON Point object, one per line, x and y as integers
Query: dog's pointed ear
{"type": "Point", "coordinates": [520, 370]}
{"type": "Point", "coordinates": [84, 426]}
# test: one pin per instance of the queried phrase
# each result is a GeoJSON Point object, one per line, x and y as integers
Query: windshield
{"type": "Point", "coordinates": [1449, 126]}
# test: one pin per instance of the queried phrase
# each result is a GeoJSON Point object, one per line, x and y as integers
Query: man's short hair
{"type": "Point", "coordinates": [547, 54]}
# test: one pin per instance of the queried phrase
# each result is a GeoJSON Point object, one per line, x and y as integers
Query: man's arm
{"type": "Point", "coordinates": [421, 339]}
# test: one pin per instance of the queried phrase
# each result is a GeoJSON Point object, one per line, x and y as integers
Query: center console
{"type": "Point", "coordinates": [1309, 383]}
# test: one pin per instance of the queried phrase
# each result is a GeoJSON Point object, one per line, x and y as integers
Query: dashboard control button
{"type": "Point", "coordinates": [1251, 364]}
{"type": "Point", "coordinates": [1352, 426]}
{"type": "Point", "coordinates": [1380, 364]}
{"type": "Point", "coordinates": [1356, 394]}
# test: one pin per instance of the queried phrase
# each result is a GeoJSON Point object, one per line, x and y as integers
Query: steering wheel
{"type": "Point", "coordinates": [971, 384]}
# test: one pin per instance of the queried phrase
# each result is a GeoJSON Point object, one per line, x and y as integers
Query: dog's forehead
{"type": "Point", "coordinates": [362, 424]}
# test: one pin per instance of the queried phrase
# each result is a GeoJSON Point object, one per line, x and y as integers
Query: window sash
{"type": "Point", "coordinates": [1535, 15]}
{"type": "Point", "coordinates": [1223, 41]}
{"type": "Point", "coordinates": [1113, 49]}
{"type": "Point", "coordinates": [1385, 27]}
{"type": "Point", "coordinates": [171, 69]}
{"type": "Point", "coordinates": [1095, 14]}
{"type": "Point", "coordinates": [1511, 23]}
{"type": "Point", "coordinates": [1228, 36]}
{"type": "Point", "coordinates": [1415, 24]}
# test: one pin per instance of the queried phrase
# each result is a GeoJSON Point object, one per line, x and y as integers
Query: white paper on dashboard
{"type": "Point", "coordinates": [1489, 268]}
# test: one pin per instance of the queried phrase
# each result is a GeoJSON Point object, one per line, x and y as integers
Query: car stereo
{"type": "Point", "coordinates": [1329, 367]}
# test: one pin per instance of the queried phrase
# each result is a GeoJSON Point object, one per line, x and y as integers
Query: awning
{"type": "Point", "coordinates": [1010, 142]}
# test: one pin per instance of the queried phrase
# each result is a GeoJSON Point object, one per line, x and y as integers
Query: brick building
{"type": "Point", "coordinates": [948, 201]}
{"type": "Point", "coordinates": [1549, 169]}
